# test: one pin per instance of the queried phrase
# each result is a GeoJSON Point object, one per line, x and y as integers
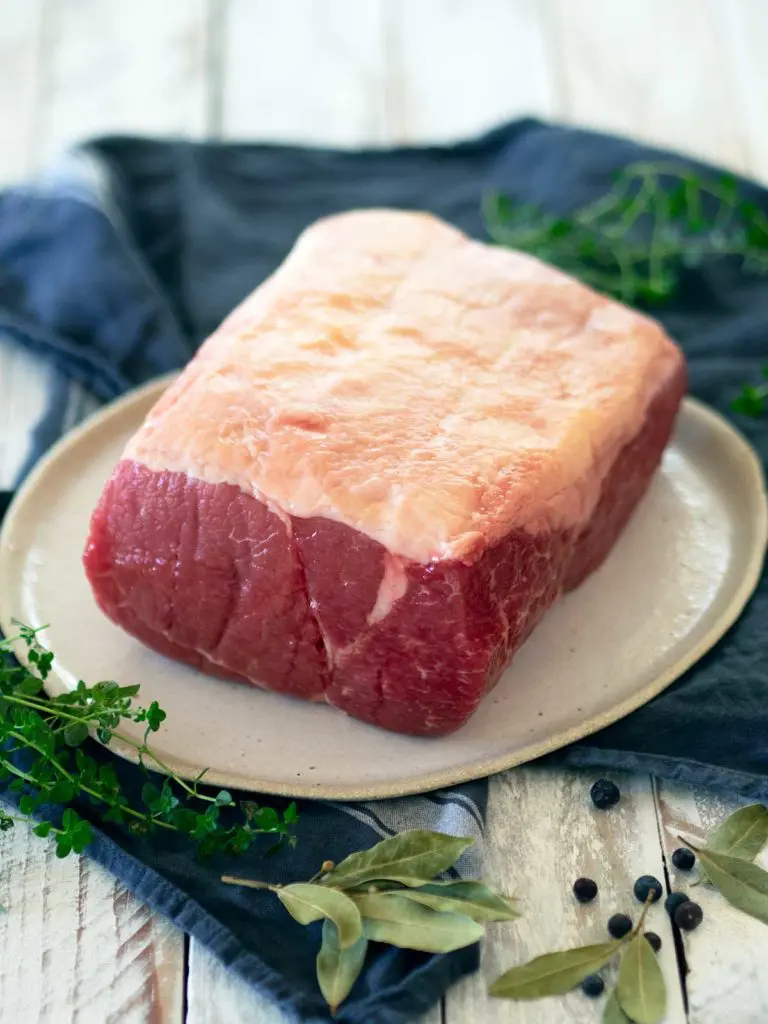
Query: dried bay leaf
{"type": "Point", "coordinates": [743, 834]}
{"type": "Point", "coordinates": [613, 1013]}
{"type": "Point", "coordinates": [306, 903]}
{"type": "Point", "coordinates": [471, 898]}
{"type": "Point", "coordinates": [641, 991]}
{"type": "Point", "coordinates": [554, 974]}
{"type": "Point", "coordinates": [743, 884]}
{"type": "Point", "coordinates": [337, 968]}
{"type": "Point", "coordinates": [410, 858]}
{"type": "Point", "coordinates": [389, 917]}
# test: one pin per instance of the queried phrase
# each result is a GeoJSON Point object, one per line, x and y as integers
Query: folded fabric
{"type": "Point", "coordinates": [117, 266]}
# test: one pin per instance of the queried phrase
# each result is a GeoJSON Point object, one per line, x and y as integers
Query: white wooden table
{"type": "Point", "coordinates": [688, 73]}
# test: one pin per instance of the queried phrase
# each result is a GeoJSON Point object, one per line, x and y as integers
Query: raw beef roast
{"type": "Point", "coordinates": [382, 469]}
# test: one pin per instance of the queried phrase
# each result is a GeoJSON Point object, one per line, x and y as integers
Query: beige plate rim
{"type": "Point", "coordinates": [714, 423]}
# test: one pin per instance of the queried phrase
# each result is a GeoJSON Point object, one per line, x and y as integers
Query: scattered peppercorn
{"type": "Point", "coordinates": [688, 916]}
{"type": "Point", "coordinates": [647, 886]}
{"type": "Point", "coordinates": [593, 986]}
{"type": "Point", "coordinates": [673, 901]}
{"type": "Point", "coordinates": [604, 794]}
{"type": "Point", "coordinates": [620, 925]}
{"type": "Point", "coordinates": [585, 890]}
{"type": "Point", "coordinates": [654, 941]}
{"type": "Point", "coordinates": [683, 859]}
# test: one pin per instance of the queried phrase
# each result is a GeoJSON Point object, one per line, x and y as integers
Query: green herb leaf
{"type": "Point", "coordinates": [743, 834]}
{"type": "Point", "coordinates": [338, 969]}
{"type": "Point", "coordinates": [641, 990]}
{"type": "Point", "coordinates": [743, 884]}
{"type": "Point", "coordinates": [471, 898]}
{"type": "Point", "coordinates": [411, 858]}
{"type": "Point", "coordinates": [50, 734]}
{"type": "Point", "coordinates": [306, 903]}
{"type": "Point", "coordinates": [291, 813]}
{"type": "Point", "coordinates": [751, 401]}
{"type": "Point", "coordinates": [388, 917]}
{"type": "Point", "coordinates": [27, 804]}
{"type": "Point", "coordinates": [75, 734]}
{"type": "Point", "coordinates": [29, 686]}
{"type": "Point", "coordinates": [613, 1013]}
{"type": "Point", "coordinates": [553, 974]}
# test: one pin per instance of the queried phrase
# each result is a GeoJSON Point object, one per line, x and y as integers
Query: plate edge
{"type": "Point", "coordinates": [445, 777]}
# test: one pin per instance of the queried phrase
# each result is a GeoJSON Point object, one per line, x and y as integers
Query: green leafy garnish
{"type": "Point", "coordinates": [388, 893]}
{"type": "Point", "coordinates": [636, 242]}
{"type": "Point", "coordinates": [753, 400]}
{"type": "Point", "coordinates": [43, 758]}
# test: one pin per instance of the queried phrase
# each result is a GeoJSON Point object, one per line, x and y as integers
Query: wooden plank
{"type": "Point", "coordinates": [23, 383]}
{"type": "Point", "coordinates": [655, 70]}
{"type": "Point", "coordinates": [727, 954]}
{"type": "Point", "coordinates": [218, 996]}
{"type": "Point", "coordinates": [744, 27]}
{"type": "Point", "coordinates": [20, 51]}
{"type": "Point", "coordinates": [75, 946]}
{"type": "Point", "coordinates": [123, 67]}
{"type": "Point", "coordinates": [299, 71]}
{"type": "Point", "coordinates": [456, 68]}
{"type": "Point", "coordinates": [542, 834]}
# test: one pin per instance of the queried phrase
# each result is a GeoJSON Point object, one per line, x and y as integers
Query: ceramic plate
{"type": "Point", "coordinates": [677, 579]}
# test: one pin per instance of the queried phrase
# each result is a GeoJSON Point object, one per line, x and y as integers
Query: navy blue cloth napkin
{"type": "Point", "coordinates": [117, 266]}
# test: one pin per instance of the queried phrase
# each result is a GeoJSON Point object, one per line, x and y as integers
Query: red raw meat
{"type": "Point", "coordinates": [281, 520]}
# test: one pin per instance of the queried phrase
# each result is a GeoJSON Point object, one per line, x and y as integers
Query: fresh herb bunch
{"type": "Point", "coordinates": [635, 242]}
{"type": "Point", "coordinates": [388, 894]}
{"type": "Point", "coordinates": [42, 754]}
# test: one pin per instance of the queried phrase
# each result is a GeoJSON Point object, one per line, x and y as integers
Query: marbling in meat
{"type": "Point", "coordinates": [382, 469]}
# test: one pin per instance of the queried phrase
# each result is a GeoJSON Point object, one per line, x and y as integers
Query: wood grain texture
{"type": "Point", "coordinates": [140, 66]}
{"type": "Point", "coordinates": [76, 947]}
{"type": "Point", "coordinates": [727, 954]}
{"type": "Point", "coordinates": [299, 71]}
{"type": "Point", "coordinates": [454, 69]}
{"type": "Point", "coordinates": [743, 25]}
{"type": "Point", "coordinates": [656, 70]}
{"type": "Point", "coordinates": [20, 56]}
{"type": "Point", "coordinates": [23, 384]}
{"type": "Point", "coordinates": [542, 834]}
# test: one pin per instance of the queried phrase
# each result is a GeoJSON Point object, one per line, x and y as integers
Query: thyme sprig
{"type": "Point", "coordinates": [44, 759]}
{"type": "Point", "coordinates": [636, 242]}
